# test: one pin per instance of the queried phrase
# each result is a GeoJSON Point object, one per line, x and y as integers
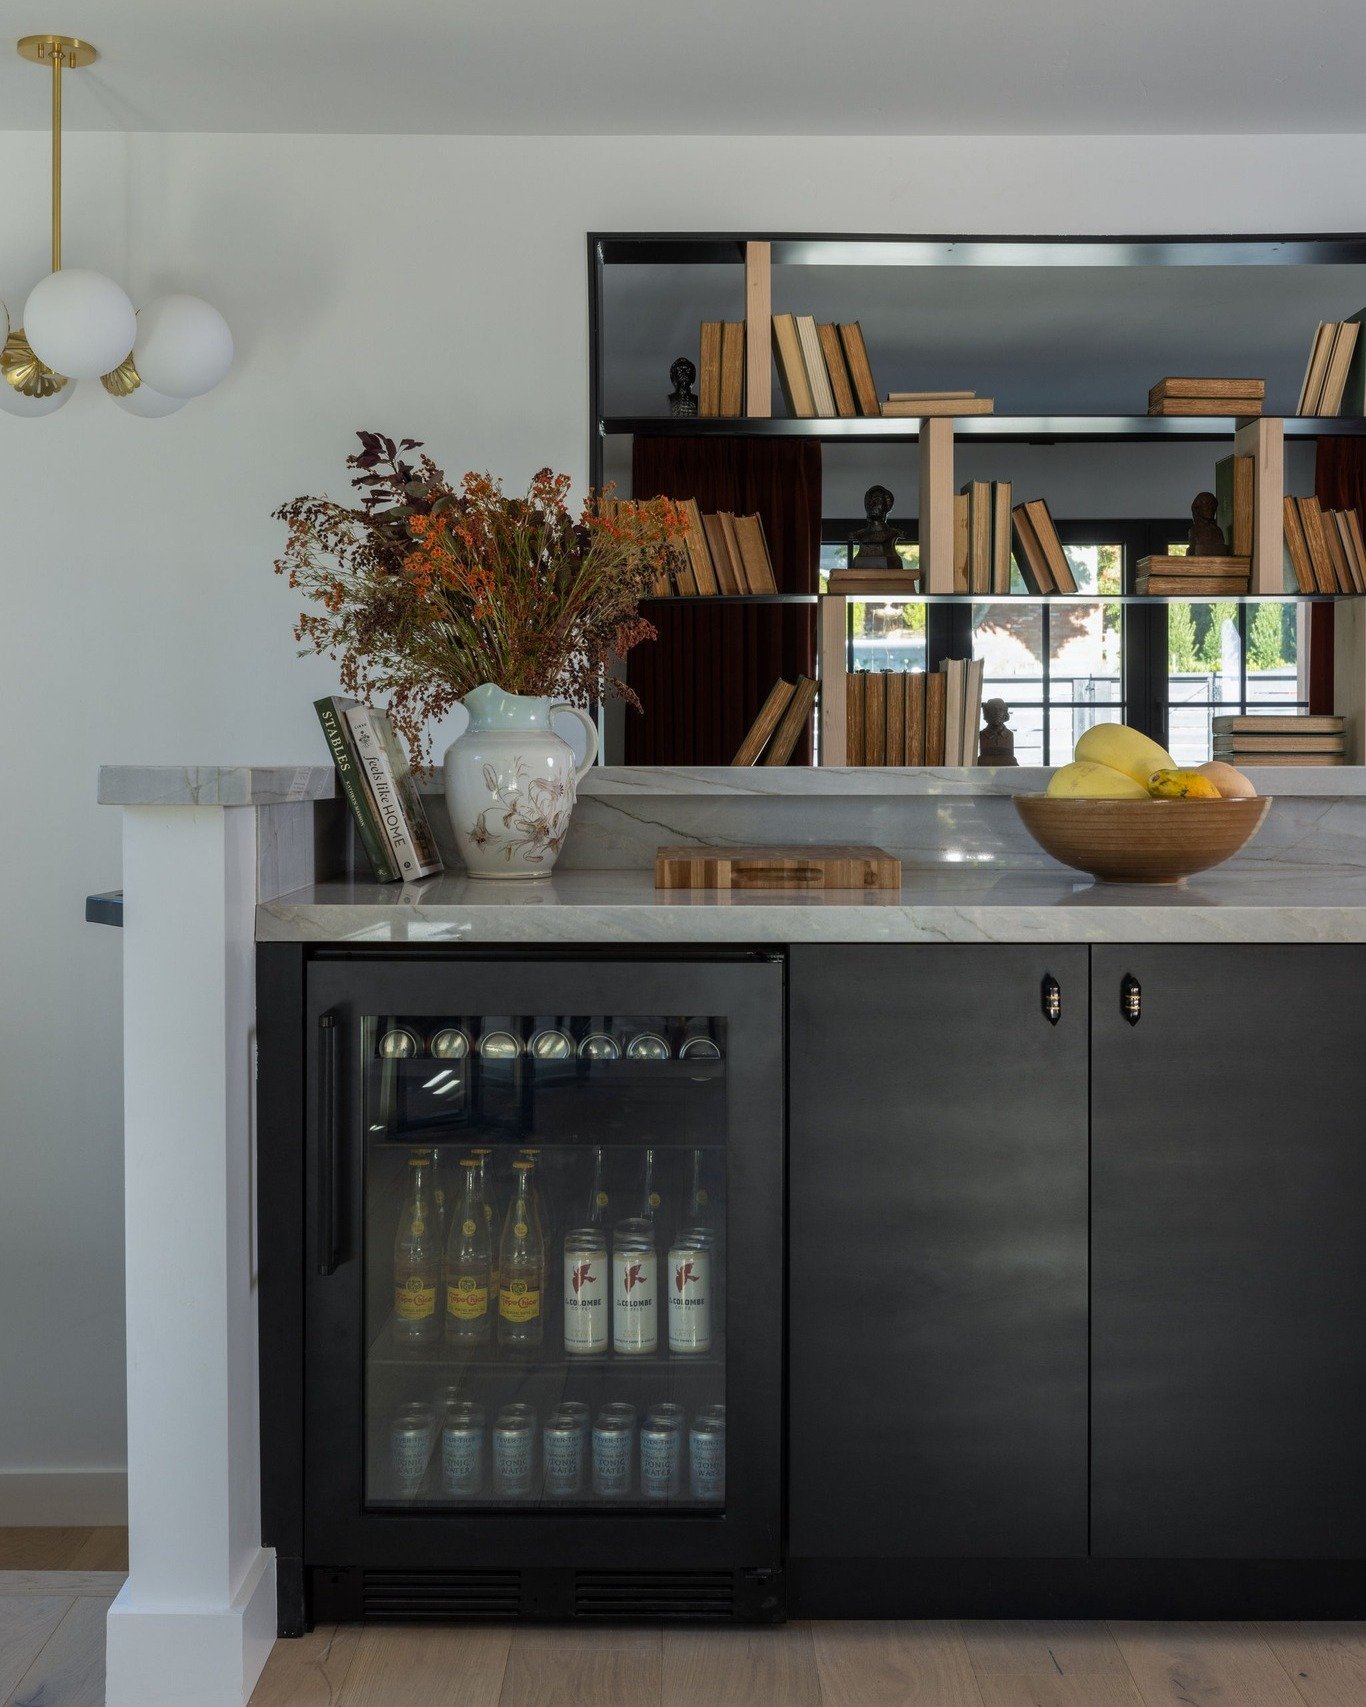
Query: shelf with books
{"type": "Point", "coordinates": [1003, 429]}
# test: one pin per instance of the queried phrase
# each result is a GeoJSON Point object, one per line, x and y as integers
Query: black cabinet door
{"type": "Point", "coordinates": [937, 1255]}
{"type": "Point", "coordinates": [1229, 1254]}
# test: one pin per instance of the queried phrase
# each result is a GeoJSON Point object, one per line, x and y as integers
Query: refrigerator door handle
{"type": "Point", "coordinates": [329, 1100]}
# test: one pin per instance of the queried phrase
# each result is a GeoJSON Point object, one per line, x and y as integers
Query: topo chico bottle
{"type": "Point", "coordinates": [469, 1263]}
{"type": "Point", "coordinates": [417, 1258]}
{"type": "Point", "coordinates": [521, 1263]}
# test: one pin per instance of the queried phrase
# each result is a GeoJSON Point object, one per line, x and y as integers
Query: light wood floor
{"type": "Point", "coordinates": [55, 1586]}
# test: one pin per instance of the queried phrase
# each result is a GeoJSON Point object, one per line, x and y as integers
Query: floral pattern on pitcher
{"type": "Point", "coordinates": [532, 816]}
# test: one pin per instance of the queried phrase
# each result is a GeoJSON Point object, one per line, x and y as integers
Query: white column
{"type": "Point", "coordinates": [196, 1619]}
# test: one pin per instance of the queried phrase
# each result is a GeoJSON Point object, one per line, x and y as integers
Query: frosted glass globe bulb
{"type": "Point", "coordinates": [148, 404]}
{"type": "Point", "coordinates": [79, 323]}
{"type": "Point", "coordinates": [183, 346]}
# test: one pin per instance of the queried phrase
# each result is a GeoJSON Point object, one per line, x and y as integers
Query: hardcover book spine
{"type": "Point", "coordinates": [340, 745]}
{"type": "Point", "coordinates": [379, 778]}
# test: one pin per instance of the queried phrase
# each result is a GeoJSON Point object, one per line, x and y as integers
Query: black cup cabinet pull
{"type": "Point", "coordinates": [1131, 998]}
{"type": "Point", "coordinates": [1050, 998]}
{"type": "Point", "coordinates": [328, 1114]}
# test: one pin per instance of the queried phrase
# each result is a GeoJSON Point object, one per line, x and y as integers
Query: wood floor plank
{"type": "Point", "coordinates": [435, 1665]}
{"type": "Point", "coordinates": [1199, 1665]}
{"type": "Point", "coordinates": [905, 1664]}
{"type": "Point", "coordinates": [1326, 1662]}
{"type": "Point", "coordinates": [104, 1585]}
{"type": "Point", "coordinates": [1048, 1664]}
{"type": "Point", "coordinates": [69, 1670]}
{"type": "Point", "coordinates": [554, 1667]}
{"type": "Point", "coordinates": [25, 1625]}
{"type": "Point", "coordinates": [308, 1671]}
{"type": "Point", "coordinates": [740, 1668]}
{"type": "Point", "coordinates": [103, 1549]}
{"type": "Point", "coordinates": [34, 1549]}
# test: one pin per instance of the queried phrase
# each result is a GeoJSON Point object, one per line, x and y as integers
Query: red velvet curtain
{"type": "Point", "coordinates": [703, 680]}
{"type": "Point", "coordinates": [1339, 484]}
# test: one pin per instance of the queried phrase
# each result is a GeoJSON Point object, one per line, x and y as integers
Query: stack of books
{"type": "Point", "coordinates": [1193, 577]}
{"type": "Point", "coordinates": [909, 717]}
{"type": "Point", "coordinates": [721, 369]}
{"type": "Point", "coordinates": [823, 369]}
{"type": "Point", "coordinates": [782, 717]}
{"type": "Point", "coordinates": [1281, 740]}
{"type": "Point", "coordinates": [1038, 550]}
{"type": "Point", "coordinates": [981, 537]}
{"type": "Point", "coordinates": [1324, 548]}
{"type": "Point", "coordinates": [720, 554]}
{"type": "Point", "coordinates": [1333, 375]}
{"type": "Point", "coordinates": [374, 776]}
{"type": "Point", "coordinates": [1181, 396]}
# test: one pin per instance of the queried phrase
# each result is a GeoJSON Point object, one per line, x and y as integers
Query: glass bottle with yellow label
{"type": "Point", "coordinates": [599, 1199]}
{"type": "Point", "coordinates": [469, 1263]}
{"type": "Point", "coordinates": [521, 1261]}
{"type": "Point", "coordinates": [417, 1258]}
{"type": "Point", "coordinates": [484, 1156]}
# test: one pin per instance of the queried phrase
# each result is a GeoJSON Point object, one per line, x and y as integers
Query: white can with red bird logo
{"type": "Point", "coordinates": [689, 1298]}
{"type": "Point", "coordinates": [635, 1295]}
{"type": "Point", "coordinates": [585, 1292]}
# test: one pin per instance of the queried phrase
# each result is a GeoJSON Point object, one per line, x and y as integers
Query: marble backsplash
{"type": "Point", "coordinates": [926, 819]}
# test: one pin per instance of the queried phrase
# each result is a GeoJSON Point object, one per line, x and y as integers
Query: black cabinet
{"type": "Point", "coordinates": [1229, 1254]}
{"type": "Point", "coordinates": [937, 1253]}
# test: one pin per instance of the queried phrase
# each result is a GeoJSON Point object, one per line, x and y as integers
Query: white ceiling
{"type": "Point", "coordinates": [775, 67]}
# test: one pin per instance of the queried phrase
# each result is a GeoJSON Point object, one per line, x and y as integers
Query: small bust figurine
{"type": "Point", "coordinates": [996, 744]}
{"type": "Point", "coordinates": [683, 399]}
{"type": "Point", "coordinates": [1206, 536]}
{"type": "Point", "coordinates": [875, 540]}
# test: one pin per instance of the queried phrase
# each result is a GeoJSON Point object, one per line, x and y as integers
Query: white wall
{"type": "Point", "coordinates": [427, 286]}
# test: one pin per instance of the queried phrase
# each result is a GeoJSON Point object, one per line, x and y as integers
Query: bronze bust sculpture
{"type": "Point", "coordinates": [683, 399]}
{"type": "Point", "coordinates": [1206, 536]}
{"type": "Point", "coordinates": [875, 540]}
{"type": "Point", "coordinates": [996, 744]}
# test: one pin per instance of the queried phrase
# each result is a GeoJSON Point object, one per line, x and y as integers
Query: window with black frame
{"type": "Point", "coordinates": [1166, 668]}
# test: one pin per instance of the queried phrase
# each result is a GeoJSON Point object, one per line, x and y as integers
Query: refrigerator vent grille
{"type": "Point", "coordinates": [654, 1594]}
{"type": "Point", "coordinates": [442, 1594]}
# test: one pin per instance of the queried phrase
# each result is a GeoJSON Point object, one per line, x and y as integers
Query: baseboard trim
{"type": "Point", "coordinates": [54, 1498]}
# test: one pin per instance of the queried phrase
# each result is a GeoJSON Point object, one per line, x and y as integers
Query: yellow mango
{"type": "Point", "coordinates": [1081, 781]}
{"type": "Point", "coordinates": [1174, 784]}
{"type": "Point", "coordinates": [1123, 749]}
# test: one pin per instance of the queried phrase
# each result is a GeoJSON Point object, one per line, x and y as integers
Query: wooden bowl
{"type": "Point", "coordinates": [1141, 841]}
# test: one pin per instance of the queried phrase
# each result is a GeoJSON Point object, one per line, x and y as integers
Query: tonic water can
{"type": "Point", "coordinates": [412, 1433]}
{"type": "Point", "coordinates": [514, 1452]}
{"type": "Point", "coordinates": [661, 1458]}
{"type": "Point", "coordinates": [707, 1459]}
{"type": "Point", "coordinates": [689, 1281]}
{"type": "Point", "coordinates": [613, 1449]}
{"type": "Point", "coordinates": [462, 1450]}
{"type": "Point", "coordinates": [562, 1456]}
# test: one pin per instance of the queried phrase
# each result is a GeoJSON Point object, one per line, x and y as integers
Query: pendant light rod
{"type": "Point", "coordinates": [61, 53]}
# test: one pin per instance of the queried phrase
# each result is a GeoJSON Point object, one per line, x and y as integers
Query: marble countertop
{"type": "Point", "coordinates": [272, 785]}
{"type": "Point", "coordinates": [1244, 901]}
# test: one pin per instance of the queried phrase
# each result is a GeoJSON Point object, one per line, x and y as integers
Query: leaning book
{"type": "Point", "coordinates": [412, 847]}
{"type": "Point", "coordinates": [341, 745]}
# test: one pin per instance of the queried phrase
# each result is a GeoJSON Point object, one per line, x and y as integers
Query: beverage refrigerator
{"type": "Point", "coordinates": [522, 1280]}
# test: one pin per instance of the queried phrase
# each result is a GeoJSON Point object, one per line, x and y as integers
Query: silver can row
{"type": "Point", "coordinates": [452, 1043]}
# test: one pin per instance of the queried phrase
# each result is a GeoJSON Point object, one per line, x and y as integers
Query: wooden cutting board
{"type": "Point", "coordinates": [837, 867]}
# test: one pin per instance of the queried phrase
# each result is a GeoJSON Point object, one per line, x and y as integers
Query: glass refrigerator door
{"type": "Point", "coordinates": [545, 1299]}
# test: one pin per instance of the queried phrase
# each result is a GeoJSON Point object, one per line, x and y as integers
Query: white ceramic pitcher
{"type": "Point", "coordinates": [511, 783]}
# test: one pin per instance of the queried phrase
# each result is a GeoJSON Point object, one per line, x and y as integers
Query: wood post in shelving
{"type": "Point", "coordinates": [832, 641]}
{"type": "Point", "coordinates": [758, 329]}
{"type": "Point", "coordinates": [1349, 673]}
{"type": "Point", "coordinates": [1263, 439]}
{"type": "Point", "coordinates": [936, 504]}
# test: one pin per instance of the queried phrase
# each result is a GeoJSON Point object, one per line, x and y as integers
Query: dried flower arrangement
{"type": "Point", "coordinates": [428, 590]}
